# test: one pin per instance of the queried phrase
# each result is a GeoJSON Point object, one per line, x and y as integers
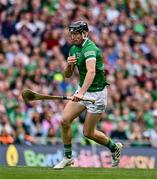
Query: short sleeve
{"type": "Point", "coordinates": [90, 54]}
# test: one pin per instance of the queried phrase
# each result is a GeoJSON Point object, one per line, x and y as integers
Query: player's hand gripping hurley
{"type": "Point", "coordinates": [71, 60]}
{"type": "Point", "coordinates": [29, 95]}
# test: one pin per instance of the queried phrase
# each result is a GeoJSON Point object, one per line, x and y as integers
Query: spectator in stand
{"type": "Point", "coordinates": [151, 134]}
{"type": "Point", "coordinates": [5, 137]}
{"type": "Point", "coordinates": [5, 125]}
{"type": "Point", "coordinates": [120, 132]}
{"type": "Point", "coordinates": [34, 45]}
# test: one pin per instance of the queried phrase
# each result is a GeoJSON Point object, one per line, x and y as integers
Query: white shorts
{"type": "Point", "coordinates": [100, 101]}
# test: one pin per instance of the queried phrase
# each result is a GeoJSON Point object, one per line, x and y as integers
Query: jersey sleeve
{"type": "Point", "coordinates": [89, 53]}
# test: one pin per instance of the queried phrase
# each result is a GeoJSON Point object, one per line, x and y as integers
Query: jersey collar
{"type": "Point", "coordinates": [84, 42]}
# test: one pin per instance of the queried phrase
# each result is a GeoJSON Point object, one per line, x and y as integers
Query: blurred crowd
{"type": "Point", "coordinates": [34, 45]}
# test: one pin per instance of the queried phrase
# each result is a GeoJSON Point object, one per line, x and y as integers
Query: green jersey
{"type": "Point", "coordinates": [88, 50]}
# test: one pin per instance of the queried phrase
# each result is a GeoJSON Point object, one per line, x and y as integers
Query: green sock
{"type": "Point", "coordinates": [111, 145]}
{"type": "Point", "coordinates": [68, 150]}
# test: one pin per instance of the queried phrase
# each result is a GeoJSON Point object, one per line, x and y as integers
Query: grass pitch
{"type": "Point", "coordinates": [75, 173]}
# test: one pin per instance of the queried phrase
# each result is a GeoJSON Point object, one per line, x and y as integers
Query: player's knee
{"type": "Point", "coordinates": [65, 122]}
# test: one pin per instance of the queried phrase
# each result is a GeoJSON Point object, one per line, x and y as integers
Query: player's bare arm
{"type": "Point", "coordinates": [90, 65]}
{"type": "Point", "coordinates": [68, 71]}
